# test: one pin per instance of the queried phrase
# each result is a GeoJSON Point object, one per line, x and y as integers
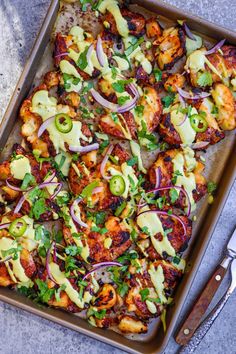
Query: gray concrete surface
{"type": "Point", "coordinates": [21, 332]}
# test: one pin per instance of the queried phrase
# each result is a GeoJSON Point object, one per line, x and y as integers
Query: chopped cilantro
{"type": "Point", "coordinates": [98, 314]}
{"type": "Point", "coordinates": [139, 110]}
{"type": "Point", "coordinates": [205, 79]}
{"type": "Point", "coordinates": [174, 195]}
{"type": "Point", "coordinates": [133, 161]}
{"type": "Point", "coordinates": [176, 260]}
{"type": "Point", "coordinates": [168, 100]}
{"type": "Point", "coordinates": [101, 231]}
{"type": "Point", "coordinates": [114, 72]}
{"type": "Point", "coordinates": [28, 180]}
{"type": "Point", "coordinates": [115, 117]}
{"type": "Point", "coordinates": [175, 176]}
{"type": "Point", "coordinates": [211, 187]}
{"type": "Point", "coordinates": [121, 100]}
{"type": "Point", "coordinates": [119, 86]}
{"type": "Point", "coordinates": [82, 61]}
{"type": "Point", "coordinates": [144, 294]}
{"type": "Point", "coordinates": [45, 294]}
{"type": "Point", "coordinates": [103, 146]}
{"type": "Point", "coordinates": [38, 208]}
{"type": "Point", "coordinates": [120, 208]}
{"type": "Point", "coordinates": [134, 45]}
{"type": "Point", "coordinates": [73, 250]}
{"type": "Point", "coordinates": [158, 74]}
{"type": "Point", "coordinates": [215, 110]}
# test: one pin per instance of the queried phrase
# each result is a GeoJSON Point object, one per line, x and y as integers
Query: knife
{"type": "Point", "coordinates": [208, 322]}
{"type": "Point", "coordinates": [199, 309]}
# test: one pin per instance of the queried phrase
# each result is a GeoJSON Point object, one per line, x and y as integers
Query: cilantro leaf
{"type": "Point", "coordinates": [205, 79]}
{"type": "Point", "coordinates": [73, 250]}
{"type": "Point", "coordinates": [39, 207]}
{"type": "Point", "coordinates": [174, 195]}
{"type": "Point", "coordinates": [28, 180]}
{"type": "Point", "coordinates": [82, 62]}
{"type": "Point", "coordinates": [211, 187]}
{"type": "Point", "coordinates": [133, 161]}
{"type": "Point", "coordinates": [168, 100]}
{"type": "Point", "coordinates": [45, 294]}
{"type": "Point", "coordinates": [144, 294]}
{"type": "Point", "coordinates": [158, 74]}
{"type": "Point", "coordinates": [121, 100]}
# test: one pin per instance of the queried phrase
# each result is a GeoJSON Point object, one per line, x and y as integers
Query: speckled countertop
{"type": "Point", "coordinates": [21, 332]}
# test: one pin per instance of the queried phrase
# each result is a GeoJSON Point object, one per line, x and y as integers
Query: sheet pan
{"type": "Point", "coordinates": [156, 341]}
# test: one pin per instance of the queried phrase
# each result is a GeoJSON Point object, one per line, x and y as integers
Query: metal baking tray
{"type": "Point", "coordinates": [224, 174]}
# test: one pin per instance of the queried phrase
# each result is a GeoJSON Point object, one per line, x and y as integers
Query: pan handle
{"type": "Point", "coordinates": [200, 307]}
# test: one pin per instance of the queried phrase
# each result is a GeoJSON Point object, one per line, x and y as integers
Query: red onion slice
{"type": "Point", "coordinates": [89, 52]}
{"type": "Point", "coordinates": [215, 48]}
{"type": "Point", "coordinates": [61, 55]}
{"type": "Point", "coordinates": [75, 217]}
{"type": "Point", "coordinates": [173, 216]}
{"type": "Point", "coordinates": [100, 53]}
{"type": "Point", "coordinates": [188, 32]}
{"type": "Point", "coordinates": [182, 122]}
{"type": "Point", "coordinates": [128, 106]}
{"type": "Point", "coordinates": [58, 189]}
{"type": "Point", "coordinates": [102, 265]}
{"type": "Point", "coordinates": [134, 89]}
{"type": "Point", "coordinates": [158, 177]}
{"type": "Point", "coordinates": [103, 102]}
{"type": "Point", "coordinates": [44, 126]}
{"type": "Point", "coordinates": [200, 145]}
{"type": "Point", "coordinates": [19, 204]}
{"type": "Point", "coordinates": [50, 178]}
{"type": "Point", "coordinates": [187, 95]}
{"type": "Point", "coordinates": [14, 188]}
{"type": "Point", "coordinates": [84, 149]}
{"type": "Point", "coordinates": [112, 106]}
{"type": "Point", "coordinates": [104, 162]}
{"type": "Point", "coordinates": [5, 225]}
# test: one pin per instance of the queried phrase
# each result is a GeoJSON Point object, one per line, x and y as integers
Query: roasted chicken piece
{"type": "Point", "coordinates": [169, 48]}
{"type": "Point", "coordinates": [105, 246]}
{"type": "Point", "coordinates": [24, 262]}
{"type": "Point", "coordinates": [176, 235]}
{"type": "Point", "coordinates": [131, 324]}
{"type": "Point", "coordinates": [226, 104]}
{"type": "Point", "coordinates": [192, 168]}
{"type": "Point", "coordinates": [135, 21]}
{"type": "Point", "coordinates": [41, 102]}
{"type": "Point", "coordinates": [106, 298]}
{"type": "Point", "coordinates": [38, 171]}
{"type": "Point", "coordinates": [144, 298]}
{"type": "Point", "coordinates": [173, 132]}
{"type": "Point", "coordinates": [121, 126]}
{"type": "Point", "coordinates": [173, 81]}
{"type": "Point", "coordinates": [63, 45]}
{"type": "Point", "coordinates": [153, 29]}
{"type": "Point", "coordinates": [217, 67]}
{"type": "Point", "coordinates": [125, 126]}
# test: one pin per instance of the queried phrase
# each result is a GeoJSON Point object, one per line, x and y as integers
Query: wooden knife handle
{"type": "Point", "coordinates": [199, 309]}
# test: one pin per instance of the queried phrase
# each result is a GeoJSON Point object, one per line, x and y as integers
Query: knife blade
{"type": "Point", "coordinates": [231, 246]}
{"type": "Point", "coordinates": [200, 307]}
{"type": "Point", "coordinates": [208, 322]}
